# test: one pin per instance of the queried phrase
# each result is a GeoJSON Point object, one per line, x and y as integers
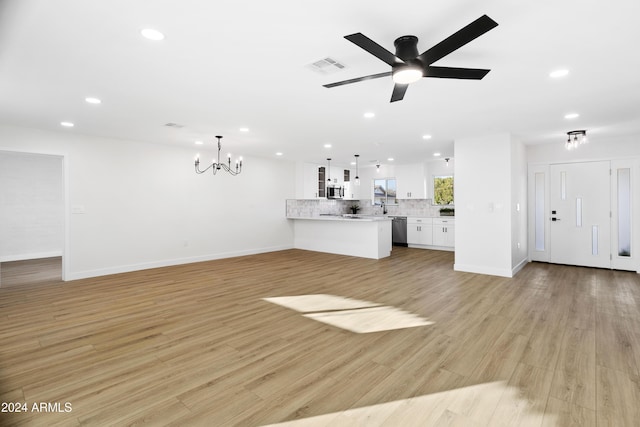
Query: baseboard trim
{"type": "Point", "coordinates": [36, 255]}
{"type": "Point", "coordinates": [168, 263]}
{"type": "Point", "coordinates": [483, 270]}
{"type": "Point", "coordinates": [515, 270]}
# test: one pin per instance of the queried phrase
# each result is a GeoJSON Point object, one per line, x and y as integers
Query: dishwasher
{"type": "Point", "coordinates": [399, 230]}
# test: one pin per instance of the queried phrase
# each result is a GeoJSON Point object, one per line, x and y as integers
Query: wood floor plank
{"type": "Point", "coordinates": [563, 413]}
{"type": "Point", "coordinates": [618, 395]}
{"type": "Point", "coordinates": [576, 369]}
{"type": "Point", "coordinates": [197, 344]}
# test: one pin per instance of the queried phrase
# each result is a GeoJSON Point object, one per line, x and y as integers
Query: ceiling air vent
{"type": "Point", "coordinates": [174, 125]}
{"type": "Point", "coordinates": [326, 66]}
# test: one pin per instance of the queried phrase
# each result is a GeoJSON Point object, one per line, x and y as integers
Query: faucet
{"type": "Point", "coordinates": [384, 208]}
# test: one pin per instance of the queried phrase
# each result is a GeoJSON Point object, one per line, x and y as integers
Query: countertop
{"type": "Point", "coordinates": [344, 217]}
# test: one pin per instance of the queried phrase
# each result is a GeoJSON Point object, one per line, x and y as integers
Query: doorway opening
{"type": "Point", "coordinates": [32, 216]}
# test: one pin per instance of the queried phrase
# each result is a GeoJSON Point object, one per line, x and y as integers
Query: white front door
{"type": "Point", "coordinates": [579, 214]}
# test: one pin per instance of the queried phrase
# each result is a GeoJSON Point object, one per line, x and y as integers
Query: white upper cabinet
{"type": "Point", "coordinates": [308, 181]}
{"type": "Point", "coordinates": [410, 180]}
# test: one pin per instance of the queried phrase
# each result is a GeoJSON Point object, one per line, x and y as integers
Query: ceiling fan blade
{"type": "Point", "coordinates": [359, 79]}
{"type": "Point", "coordinates": [398, 92]}
{"type": "Point", "coordinates": [374, 48]}
{"type": "Point", "coordinates": [456, 73]}
{"type": "Point", "coordinates": [458, 39]}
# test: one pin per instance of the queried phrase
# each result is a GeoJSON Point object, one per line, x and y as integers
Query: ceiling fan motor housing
{"type": "Point", "coordinates": [406, 48]}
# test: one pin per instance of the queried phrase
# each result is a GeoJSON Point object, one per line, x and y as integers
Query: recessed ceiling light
{"type": "Point", "coordinates": [278, 154]}
{"type": "Point", "coordinates": [327, 145]}
{"type": "Point", "coordinates": [244, 129]}
{"type": "Point", "coordinates": [369, 115]}
{"type": "Point", "coordinates": [571, 115]}
{"type": "Point", "coordinates": [352, 163]}
{"type": "Point", "coordinates": [436, 154]}
{"type": "Point", "coordinates": [390, 159]}
{"type": "Point", "coordinates": [426, 136]}
{"type": "Point", "coordinates": [198, 142]}
{"type": "Point", "coordinates": [66, 124]}
{"type": "Point", "coordinates": [151, 34]}
{"type": "Point", "coordinates": [558, 73]}
{"type": "Point", "coordinates": [92, 100]}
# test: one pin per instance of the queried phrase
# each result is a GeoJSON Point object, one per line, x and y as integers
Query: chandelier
{"type": "Point", "coordinates": [576, 138]}
{"type": "Point", "coordinates": [216, 166]}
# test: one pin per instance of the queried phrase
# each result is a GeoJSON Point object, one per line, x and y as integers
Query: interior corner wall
{"type": "Point", "coordinates": [132, 205]}
{"type": "Point", "coordinates": [483, 199]}
{"type": "Point", "coordinates": [519, 238]}
{"type": "Point", "coordinates": [31, 206]}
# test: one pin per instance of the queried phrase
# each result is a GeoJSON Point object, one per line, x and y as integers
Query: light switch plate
{"type": "Point", "coordinates": [77, 209]}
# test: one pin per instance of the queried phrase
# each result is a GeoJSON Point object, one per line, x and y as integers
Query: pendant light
{"type": "Point", "coordinates": [357, 180]}
{"type": "Point", "coordinates": [329, 170]}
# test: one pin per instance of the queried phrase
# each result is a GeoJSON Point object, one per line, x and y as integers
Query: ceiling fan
{"type": "Point", "coordinates": [407, 66]}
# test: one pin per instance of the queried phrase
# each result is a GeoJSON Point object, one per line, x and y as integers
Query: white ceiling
{"type": "Point", "coordinates": [230, 64]}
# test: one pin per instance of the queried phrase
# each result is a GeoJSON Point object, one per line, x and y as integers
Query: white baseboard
{"type": "Point", "coordinates": [168, 263]}
{"type": "Point", "coordinates": [519, 267]}
{"type": "Point", "coordinates": [483, 270]}
{"type": "Point", "coordinates": [36, 255]}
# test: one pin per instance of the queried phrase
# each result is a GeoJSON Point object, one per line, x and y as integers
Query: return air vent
{"type": "Point", "coordinates": [326, 66]}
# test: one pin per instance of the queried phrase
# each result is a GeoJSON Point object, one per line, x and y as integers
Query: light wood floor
{"type": "Point", "coordinates": [197, 345]}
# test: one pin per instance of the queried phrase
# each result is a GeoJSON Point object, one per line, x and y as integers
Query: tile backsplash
{"type": "Point", "coordinates": [312, 207]}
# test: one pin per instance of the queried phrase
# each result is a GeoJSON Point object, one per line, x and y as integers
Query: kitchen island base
{"type": "Point", "coordinates": [364, 238]}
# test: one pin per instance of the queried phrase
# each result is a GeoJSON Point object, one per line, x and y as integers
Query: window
{"type": "Point", "coordinates": [384, 191]}
{"type": "Point", "coordinates": [443, 190]}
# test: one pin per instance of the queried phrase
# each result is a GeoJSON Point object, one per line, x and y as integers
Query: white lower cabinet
{"type": "Point", "coordinates": [431, 233]}
{"type": "Point", "coordinates": [419, 231]}
{"type": "Point", "coordinates": [444, 232]}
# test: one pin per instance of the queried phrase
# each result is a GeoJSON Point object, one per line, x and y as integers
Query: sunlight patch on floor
{"type": "Point", "coordinates": [319, 302]}
{"type": "Point", "coordinates": [353, 315]}
{"type": "Point", "coordinates": [488, 404]}
{"type": "Point", "coordinates": [370, 319]}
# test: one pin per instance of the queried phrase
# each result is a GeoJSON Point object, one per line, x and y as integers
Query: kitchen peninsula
{"type": "Point", "coordinates": [354, 235]}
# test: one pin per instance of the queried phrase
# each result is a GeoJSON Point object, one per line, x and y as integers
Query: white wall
{"type": "Point", "coordinates": [31, 206]}
{"type": "Point", "coordinates": [144, 206]}
{"type": "Point", "coordinates": [483, 198]}
{"type": "Point", "coordinates": [596, 149]}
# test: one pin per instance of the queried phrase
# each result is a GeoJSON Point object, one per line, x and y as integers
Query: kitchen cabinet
{"type": "Point", "coordinates": [310, 184]}
{"type": "Point", "coordinates": [444, 232]}
{"type": "Point", "coordinates": [314, 180]}
{"type": "Point", "coordinates": [419, 231]}
{"type": "Point", "coordinates": [410, 181]}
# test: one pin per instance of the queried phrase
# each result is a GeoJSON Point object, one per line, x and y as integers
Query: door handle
{"type": "Point", "coordinates": [554, 219]}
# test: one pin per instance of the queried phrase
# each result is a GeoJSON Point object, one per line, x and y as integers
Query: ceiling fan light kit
{"type": "Point", "coordinates": [407, 74]}
{"type": "Point", "coordinates": [407, 66]}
